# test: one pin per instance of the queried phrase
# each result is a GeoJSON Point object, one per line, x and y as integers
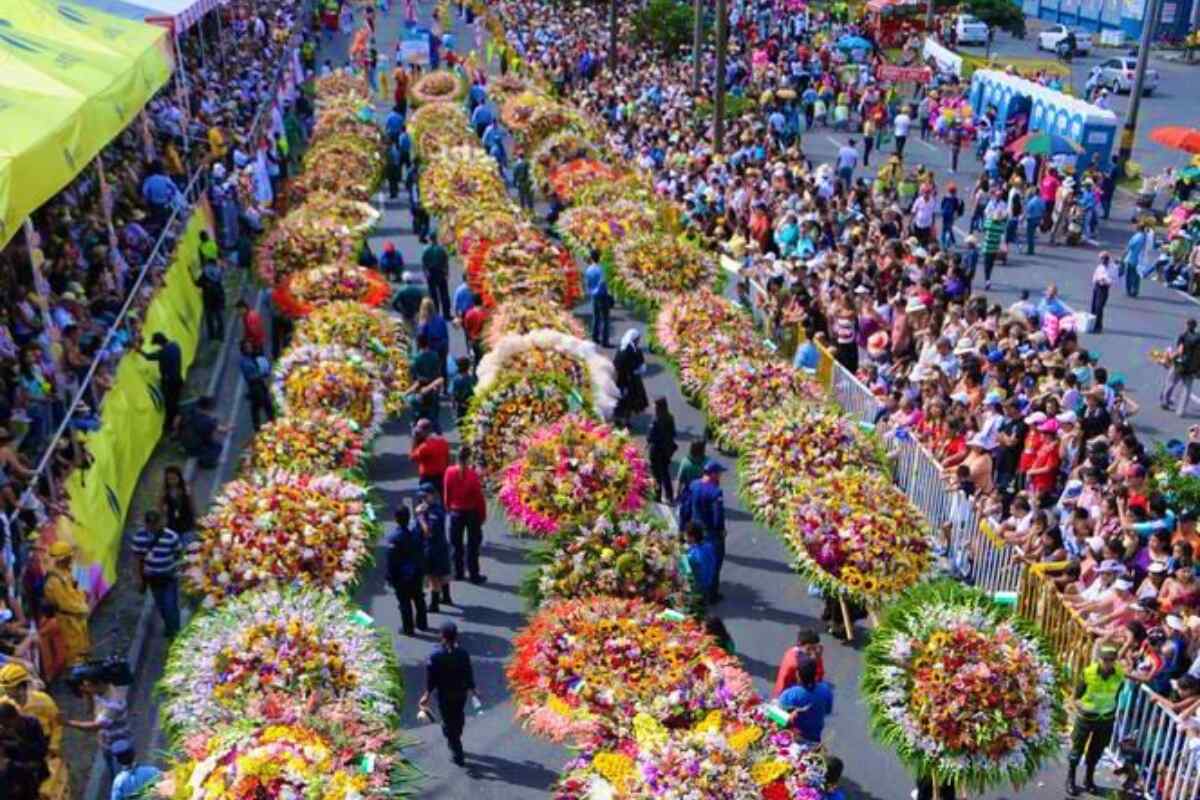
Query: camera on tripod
{"type": "Point", "coordinates": [112, 670]}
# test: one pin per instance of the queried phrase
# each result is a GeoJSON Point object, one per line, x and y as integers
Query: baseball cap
{"type": "Point", "coordinates": [712, 465]}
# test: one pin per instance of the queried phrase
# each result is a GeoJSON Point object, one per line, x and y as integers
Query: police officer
{"type": "Point", "coordinates": [707, 501]}
{"type": "Point", "coordinates": [1095, 714]}
{"type": "Point", "coordinates": [406, 571]}
{"type": "Point", "coordinates": [449, 674]}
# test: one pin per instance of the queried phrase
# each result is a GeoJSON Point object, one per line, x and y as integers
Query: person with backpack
{"type": "Point", "coordinates": [1185, 365]}
{"type": "Point", "coordinates": [256, 370]}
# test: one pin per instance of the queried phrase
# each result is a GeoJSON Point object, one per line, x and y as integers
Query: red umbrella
{"type": "Point", "coordinates": [1177, 137]}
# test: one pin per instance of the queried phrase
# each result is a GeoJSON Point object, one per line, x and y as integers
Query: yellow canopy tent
{"type": "Point", "coordinates": [71, 79]}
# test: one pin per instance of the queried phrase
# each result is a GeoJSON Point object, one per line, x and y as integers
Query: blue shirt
{"type": "Point", "coordinates": [592, 276]}
{"type": "Point", "coordinates": [807, 356]}
{"type": "Point", "coordinates": [393, 124]}
{"type": "Point", "coordinates": [482, 116]}
{"type": "Point", "coordinates": [158, 190]}
{"type": "Point", "coordinates": [1035, 209]}
{"type": "Point", "coordinates": [704, 566]}
{"type": "Point", "coordinates": [463, 299]}
{"type": "Point", "coordinates": [708, 507]}
{"type": "Point", "coordinates": [815, 704]}
{"type": "Point", "coordinates": [130, 782]}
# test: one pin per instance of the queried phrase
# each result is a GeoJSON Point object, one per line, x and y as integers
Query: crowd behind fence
{"type": "Point", "coordinates": [1162, 749]}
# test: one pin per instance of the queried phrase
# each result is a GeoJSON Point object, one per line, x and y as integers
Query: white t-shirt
{"type": "Point", "coordinates": [847, 157]}
{"type": "Point", "coordinates": [901, 124]}
{"type": "Point", "coordinates": [923, 209]}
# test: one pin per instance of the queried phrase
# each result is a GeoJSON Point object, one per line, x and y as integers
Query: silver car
{"type": "Point", "coordinates": [1116, 74]}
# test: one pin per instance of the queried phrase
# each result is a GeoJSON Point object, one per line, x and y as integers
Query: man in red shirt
{"type": "Point", "coordinates": [467, 510]}
{"type": "Point", "coordinates": [472, 325]}
{"type": "Point", "coordinates": [253, 330]}
{"type": "Point", "coordinates": [808, 645]}
{"type": "Point", "coordinates": [430, 452]}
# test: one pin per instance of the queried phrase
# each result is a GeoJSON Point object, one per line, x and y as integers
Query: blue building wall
{"type": "Point", "coordinates": [1126, 15]}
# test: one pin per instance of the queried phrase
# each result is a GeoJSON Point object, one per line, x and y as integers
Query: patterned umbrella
{"type": "Point", "coordinates": [1040, 143]}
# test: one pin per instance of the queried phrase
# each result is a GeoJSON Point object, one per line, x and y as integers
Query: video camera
{"type": "Point", "coordinates": [112, 670]}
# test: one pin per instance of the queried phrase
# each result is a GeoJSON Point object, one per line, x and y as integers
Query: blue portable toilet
{"type": "Point", "coordinates": [1093, 128]}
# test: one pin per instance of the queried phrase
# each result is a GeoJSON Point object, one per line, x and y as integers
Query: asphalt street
{"type": "Point", "coordinates": [765, 604]}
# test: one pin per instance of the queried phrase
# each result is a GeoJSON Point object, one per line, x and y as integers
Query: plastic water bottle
{"type": "Point", "coordinates": [476, 706]}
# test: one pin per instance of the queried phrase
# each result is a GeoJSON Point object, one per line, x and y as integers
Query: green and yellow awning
{"type": "Point", "coordinates": [71, 79]}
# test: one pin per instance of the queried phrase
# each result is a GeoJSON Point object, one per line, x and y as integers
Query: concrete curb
{"type": "Point", "coordinates": [93, 790]}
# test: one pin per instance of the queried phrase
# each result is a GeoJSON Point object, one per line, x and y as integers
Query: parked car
{"type": "Point", "coordinates": [970, 30]}
{"type": "Point", "coordinates": [1117, 75]}
{"type": "Point", "coordinates": [1049, 39]}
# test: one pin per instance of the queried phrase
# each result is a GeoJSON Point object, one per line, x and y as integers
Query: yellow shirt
{"type": "Point", "coordinates": [73, 610]}
{"type": "Point", "coordinates": [216, 142]}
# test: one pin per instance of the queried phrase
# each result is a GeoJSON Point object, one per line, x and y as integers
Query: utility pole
{"type": "Point", "coordinates": [697, 44]}
{"type": "Point", "coordinates": [1151, 9]}
{"type": "Point", "coordinates": [719, 105]}
{"type": "Point", "coordinates": [612, 35]}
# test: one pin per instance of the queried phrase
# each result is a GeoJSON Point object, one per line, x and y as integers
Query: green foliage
{"type": "Point", "coordinates": [1003, 14]}
{"type": "Point", "coordinates": [735, 106]}
{"type": "Point", "coordinates": [665, 24]}
{"type": "Point", "coordinates": [1182, 491]}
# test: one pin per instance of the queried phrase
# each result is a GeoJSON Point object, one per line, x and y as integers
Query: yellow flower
{"type": "Point", "coordinates": [768, 771]}
{"type": "Point", "coordinates": [615, 767]}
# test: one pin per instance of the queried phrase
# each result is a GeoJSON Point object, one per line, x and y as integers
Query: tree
{"type": "Point", "coordinates": [722, 49]}
{"type": "Point", "coordinates": [666, 24]}
{"type": "Point", "coordinates": [1002, 14]}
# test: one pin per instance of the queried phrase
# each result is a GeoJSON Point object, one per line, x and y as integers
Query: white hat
{"type": "Point", "coordinates": [1175, 623]}
{"type": "Point", "coordinates": [1035, 418]}
{"type": "Point", "coordinates": [963, 347]}
{"type": "Point", "coordinates": [1097, 543]}
{"type": "Point", "coordinates": [914, 305]}
{"type": "Point", "coordinates": [1067, 418]}
{"type": "Point", "coordinates": [980, 440]}
{"type": "Point", "coordinates": [1122, 585]}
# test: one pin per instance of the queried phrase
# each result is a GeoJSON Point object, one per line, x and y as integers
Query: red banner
{"type": "Point", "coordinates": [889, 72]}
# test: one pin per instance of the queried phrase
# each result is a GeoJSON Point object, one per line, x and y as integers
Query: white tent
{"type": "Point", "coordinates": [177, 15]}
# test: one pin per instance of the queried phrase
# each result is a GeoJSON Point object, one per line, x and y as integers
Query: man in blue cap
{"type": "Point", "coordinates": [131, 778]}
{"type": "Point", "coordinates": [708, 510]}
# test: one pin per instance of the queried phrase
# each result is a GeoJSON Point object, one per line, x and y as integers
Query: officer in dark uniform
{"type": "Point", "coordinates": [449, 674]}
{"type": "Point", "coordinates": [406, 571]}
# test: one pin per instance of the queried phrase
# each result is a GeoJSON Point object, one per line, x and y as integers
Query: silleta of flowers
{"type": "Point", "coordinates": [472, 224]}
{"type": "Point", "coordinates": [793, 445]}
{"type": "Point", "coordinates": [528, 265]}
{"type": "Point", "coordinates": [370, 330]}
{"type": "Point", "coordinates": [335, 379]}
{"type": "Point", "coordinates": [589, 666]}
{"type": "Point", "coordinates": [570, 471]}
{"type": "Point", "coordinates": [556, 150]}
{"type": "Point", "coordinates": [311, 443]}
{"type": "Point", "coordinates": [438, 125]}
{"type": "Point", "coordinates": [520, 315]}
{"type": "Point", "coordinates": [500, 419]}
{"type": "Point", "coordinates": [348, 165]}
{"type": "Point", "coordinates": [963, 691]}
{"type": "Point", "coordinates": [336, 756]}
{"type": "Point", "coordinates": [322, 230]}
{"type": "Point", "coordinates": [545, 351]}
{"type": "Point", "coordinates": [532, 116]}
{"type": "Point", "coordinates": [853, 532]}
{"type": "Point", "coordinates": [744, 389]}
{"type": "Point", "coordinates": [280, 527]}
{"type": "Point", "coordinates": [601, 227]}
{"type": "Point", "coordinates": [276, 647]}
{"type": "Point", "coordinates": [614, 555]}
{"type": "Point", "coordinates": [651, 268]}
{"type": "Point", "coordinates": [441, 85]}
{"type": "Point", "coordinates": [458, 176]}
{"type": "Point", "coordinates": [700, 332]}
{"type": "Point", "coordinates": [567, 180]}
{"type": "Point", "coordinates": [300, 293]}
{"type": "Point", "coordinates": [724, 756]}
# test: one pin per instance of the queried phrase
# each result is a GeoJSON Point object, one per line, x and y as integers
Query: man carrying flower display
{"type": "Point", "coordinates": [708, 510]}
{"type": "Point", "coordinates": [1095, 715]}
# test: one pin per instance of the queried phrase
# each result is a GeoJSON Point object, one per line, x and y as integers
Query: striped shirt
{"type": "Point", "coordinates": [159, 551]}
{"type": "Point", "coordinates": [993, 232]}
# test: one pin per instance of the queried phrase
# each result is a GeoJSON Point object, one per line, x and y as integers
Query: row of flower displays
{"type": "Point", "coordinates": [279, 687]}
{"type": "Point", "coordinates": [611, 662]}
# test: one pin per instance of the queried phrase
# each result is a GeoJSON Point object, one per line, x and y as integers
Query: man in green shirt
{"type": "Point", "coordinates": [436, 263]}
{"type": "Point", "coordinates": [423, 394]}
{"type": "Point", "coordinates": [407, 301]}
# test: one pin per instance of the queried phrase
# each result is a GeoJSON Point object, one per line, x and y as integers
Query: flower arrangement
{"type": "Point", "coordinates": [631, 186]}
{"type": "Point", "coordinates": [527, 264]}
{"type": "Point", "coordinates": [502, 87]}
{"type": "Point", "coordinates": [651, 268]}
{"type": "Point", "coordinates": [438, 125]}
{"type": "Point", "coordinates": [470, 225]}
{"type": "Point", "coordinates": [342, 82]}
{"type": "Point", "coordinates": [570, 471]}
{"type": "Point", "coordinates": [371, 330]}
{"type": "Point", "coordinates": [568, 179]}
{"type": "Point", "coordinates": [334, 756]}
{"type": "Point", "coordinates": [334, 379]}
{"type": "Point", "coordinates": [589, 666]}
{"type": "Point", "coordinates": [457, 177]}
{"type": "Point", "coordinates": [614, 555]}
{"type": "Point", "coordinates": [600, 228]}
{"type": "Point", "coordinates": [741, 391]}
{"type": "Point", "coordinates": [440, 85]}
{"type": "Point", "coordinates": [322, 230]}
{"type": "Point", "coordinates": [348, 165]}
{"type": "Point", "coordinates": [555, 150]}
{"type": "Point", "coordinates": [500, 419]}
{"type": "Point", "coordinates": [299, 293]}
{"type": "Point", "coordinates": [792, 446]}
{"type": "Point", "coordinates": [700, 332]}
{"type": "Point", "coordinates": [275, 647]}
{"type": "Point", "coordinates": [520, 315]}
{"type": "Point", "coordinates": [964, 691]}
{"type": "Point", "coordinates": [312, 443]}
{"type": "Point", "coordinates": [281, 527]}
{"type": "Point", "coordinates": [853, 532]}
{"type": "Point", "coordinates": [544, 351]}
{"type": "Point", "coordinates": [532, 116]}
{"type": "Point", "coordinates": [723, 756]}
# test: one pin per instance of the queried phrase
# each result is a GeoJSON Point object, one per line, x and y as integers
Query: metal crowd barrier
{"type": "Point", "coordinates": [1164, 749]}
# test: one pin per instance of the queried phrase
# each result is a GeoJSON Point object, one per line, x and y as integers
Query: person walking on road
{"type": "Point", "coordinates": [707, 500]}
{"type": "Point", "coordinates": [630, 363]}
{"type": "Point", "coordinates": [661, 444]}
{"type": "Point", "coordinates": [431, 521]}
{"type": "Point", "coordinates": [1035, 209]}
{"type": "Point", "coordinates": [436, 263]}
{"type": "Point", "coordinates": [448, 674]}
{"type": "Point", "coordinates": [157, 550]}
{"type": "Point", "coordinates": [1139, 258]}
{"type": "Point", "coordinates": [256, 370]}
{"type": "Point", "coordinates": [1185, 365]}
{"type": "Point", "coordinates": [1095, 714]}
{"type": "Point", "coordinates": [170, 376]}
{"type": "Point", "coordinates": [406, 572]}
{"type": "Point", "coordinates": [1102, 281]}
{"type": "Point", "coordinates": [468, 511]}
{"type": "Point", "coordinates": [808, 702]}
